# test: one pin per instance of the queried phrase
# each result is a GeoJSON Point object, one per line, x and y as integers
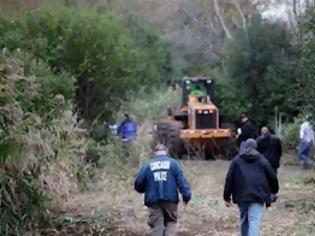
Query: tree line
{"type": "Point", "coordinates": [259, 64]}
{"type": "Point", "coordinates": [105, 56]}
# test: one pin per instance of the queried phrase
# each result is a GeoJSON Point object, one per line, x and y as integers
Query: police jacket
{"type": "Point", "coordinates": [160, 179]}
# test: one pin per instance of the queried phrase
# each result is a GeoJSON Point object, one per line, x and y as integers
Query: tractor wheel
{"type": "Point", "coordinates": [230, 149]}
{"type": "Point", "coordinates": [168, 133]}
{"type": "Point", "coordinates": [209, 154]}
{"type": "Point", "coordinates": [226, 150]}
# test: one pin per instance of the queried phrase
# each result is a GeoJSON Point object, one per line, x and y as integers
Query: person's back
{"type": "Point", "coordinates": [250, 181]}
{"type": "Point", "coordinates": [160, 179]}
{"type": "Point", "coordinates": [306, 141]}
{"type": "Point", "coordinates": [306, 132]}
{"type": "Point", "coordinates": [249, 169]}
{"type": "Point", "coordinates": [247, 131]}
{"type": "Point", "coordinates": [128, 129]}
{"type": "Point", "coordinates": [270, 146]}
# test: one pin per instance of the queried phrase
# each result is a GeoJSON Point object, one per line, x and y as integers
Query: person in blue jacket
{"type": "Point", "coordinates": [160, 179]}
{"type": "Point", "coordinates": [127, 130]}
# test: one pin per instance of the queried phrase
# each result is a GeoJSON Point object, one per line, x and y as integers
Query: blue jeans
{"type": "Point", "coordinates": [304, 153]}
{"type": "Point", "coordinates": [250, 216]}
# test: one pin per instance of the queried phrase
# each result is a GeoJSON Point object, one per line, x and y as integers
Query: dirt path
{"type": "Point", "coordinates": [293, 214]}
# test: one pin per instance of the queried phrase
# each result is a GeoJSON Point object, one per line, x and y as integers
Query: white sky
{"type": "Point", "coordinates": [279, 11]}
{"type": "Point", "coordinates": [282, 9]}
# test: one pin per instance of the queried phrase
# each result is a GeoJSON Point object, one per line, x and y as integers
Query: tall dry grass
{"type": "Point", "coordinates": [41, 147]}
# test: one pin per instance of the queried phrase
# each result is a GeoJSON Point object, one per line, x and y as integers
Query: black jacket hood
{"type": "Point", "coordinates": [250, 155]}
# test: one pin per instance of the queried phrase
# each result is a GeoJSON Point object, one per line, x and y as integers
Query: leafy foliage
{"type": "Point", "coordinates": [290, 134]}
{"type": "Point", "coordinates": [38, 142]}
{"type": "Point", "coordinates": [22, 202]}
{"type": "Point", "coordinates": [105, 57]}
{"type": "Point", "coordinates": [261, 66]}
{"type": "Point", "coordinates": [306, 87]}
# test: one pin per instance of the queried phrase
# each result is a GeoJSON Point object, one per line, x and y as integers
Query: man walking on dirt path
{"type": "Point", "coordinates": [250, 181]}
{"type": "Point", "coordinates": [247, 131]}
{"type": "Point", "coordinates": [160, 179]}
{"type": "Point", "coordinates": [306, 141]}
{"type": "Point", "coordinates": [270, 147]}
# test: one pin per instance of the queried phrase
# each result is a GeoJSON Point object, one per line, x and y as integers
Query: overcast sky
{"type": "Point", "coordinates": [277, 10]}
{"type": "Point", "coordinates": [281, 9]}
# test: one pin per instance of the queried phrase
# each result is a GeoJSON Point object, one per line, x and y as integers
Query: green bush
{"type": "Point", "coordinates": [38, 142]}
{"type": "Point", "coordinates": [306, 86]}
{"type": "Point", "coordinates": [105, 57]}
{"type": "Point", "coordinates": [145, 105]}
{"type": "Point", "coordinates": [290, 137]}
{"type": "Point", "coordinates": [22, 201]}
{"type": "Point", "coordinates": [46, 93]}
{"type": "Point", "coordinates": [260, 72]}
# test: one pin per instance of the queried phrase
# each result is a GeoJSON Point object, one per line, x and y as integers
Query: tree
{"type": "Point", "coordinates": [106, 58]}
{"type": "Point", "coordinates": [306, 87]}
{"type": "Point", "coordinates": [262, 65]}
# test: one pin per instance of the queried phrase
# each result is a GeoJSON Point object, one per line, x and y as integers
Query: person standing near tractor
{"type": "Point", "coordinates": [251, 182]}
{"type": "Point", "coordinates": [247, 131]}
{"type": "Point", "coordinates": [306, 142]}
{"type": "Point", "coordinates": [270, 147]}
{"type": "Point", "coordinates": [127, 130]}
{"type": "Point", "coordinates": [160, 179]}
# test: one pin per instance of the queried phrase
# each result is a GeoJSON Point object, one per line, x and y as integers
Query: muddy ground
{"type": "Point", "coordinates": [122, 212]}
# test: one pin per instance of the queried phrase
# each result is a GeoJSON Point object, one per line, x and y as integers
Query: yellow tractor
{"type": "Point", "coordinates": [193, 127]}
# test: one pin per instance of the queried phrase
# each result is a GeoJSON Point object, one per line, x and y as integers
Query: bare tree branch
{"type": "Point", "coordinates": [219, 15]}
{"type": "Point", "coordinates": [237, 5]}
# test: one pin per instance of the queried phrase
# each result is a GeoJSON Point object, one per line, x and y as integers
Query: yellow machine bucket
{"type": "Point", "coordinates": [205, 134]}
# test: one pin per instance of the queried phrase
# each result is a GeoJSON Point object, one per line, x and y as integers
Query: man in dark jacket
{"type": "Point", "coordinates": [270, 147]}
{"type": "Point", "coordinates": [160, 179]}
{"type": "Point", "coordinates": [250, 181]}
{"type": "Point", "coordinates": [247, 131]}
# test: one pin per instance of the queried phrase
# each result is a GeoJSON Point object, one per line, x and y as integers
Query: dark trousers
{"type": "Point", "coordinates": [163, 219]}
{"type": "Point", "coordinates": [275, 170]}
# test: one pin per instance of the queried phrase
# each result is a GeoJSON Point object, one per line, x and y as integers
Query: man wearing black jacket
{"type": "Point", "coordinates": [250, 181]}
{"type": "Point", "coordinates": [247, 131]}
{"type": "Point", "coordinates": [269, 146]}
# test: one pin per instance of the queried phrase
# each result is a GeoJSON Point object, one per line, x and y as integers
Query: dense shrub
{"type": "Point", "coordinates": [106, 58]}
{"type": "Point", "coordinates": [21, 197]}
{"type": "Point", "coordinates": [261, 72]}
{"type": "Point", "coordinates": [40, 143]}
{"type": "Point", "coordinates": [306, 98]}
{"type": "Point", "coordinates": [290, 136]}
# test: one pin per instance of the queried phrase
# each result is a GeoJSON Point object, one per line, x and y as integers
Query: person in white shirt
{"type": "Point", "coordinates": [306, 141]}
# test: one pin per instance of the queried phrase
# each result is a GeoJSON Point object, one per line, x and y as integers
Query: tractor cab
{"type": "Point", "coordinates": [197, 106]}
{"type": "Point", "coordinates": [198, 87]}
